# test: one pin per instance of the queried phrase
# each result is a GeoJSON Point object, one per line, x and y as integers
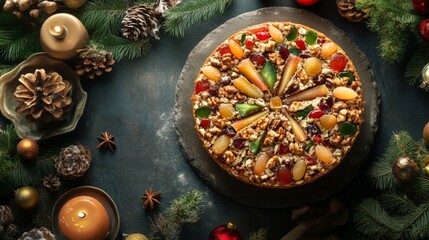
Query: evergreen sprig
{"type": "Point", "coordinates": [414, 68]}
{"type": "Point", "coordinates": [261, 234]}
{"type": "Point", "coordinates": [395, 21]}
{"type": "Point", "coordinates": [400, 210]}
{"type": "Point", "coordinates": [180, 18]}
{"type": "Point", "coordinates": [186, 208]}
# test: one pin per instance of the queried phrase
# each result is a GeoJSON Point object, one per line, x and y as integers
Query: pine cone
{"type": "Point", "coordinates": [43, 96]}
{"type": "Point", "coordinates": [11, 230]}
{"type": "Point", "coordinates": [164, 5]}
{"type": "Point", "coordinates": [52, 182]}
{"type": "Point", "coordinates": [92, 62]}
{"type": "Point", "coordinates": [6, 216]}
{"type": "Point", "coordinates": [30, 10]}
{"type": "Point", "coordinates": [73, 161]}
{"type": "Point", "coordinates": [38, 233]}
{"type": "Point", "coordinates": [347, 9]}
{"type": "Point", "coordinates": [140, 21]}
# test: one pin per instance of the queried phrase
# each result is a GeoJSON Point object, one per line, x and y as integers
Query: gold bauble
{"type": "Point", "coordinates": [135, 236]}
{"type": "Point", "coordinates": [26, 197]}
{"type": "Point", "coordinates": [426, 133]}
{"type": "Point", "coordinates": [426, 169]}
{"type": "Point", "coordinates": [74, 4]}
{"type": "Point", "coordinates": [27, 149]}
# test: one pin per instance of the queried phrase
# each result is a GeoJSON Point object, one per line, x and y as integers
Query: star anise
{"type": "Point", "coordinates": [106, 141]}
{"type": "Point", "coordinates": [149, 198]}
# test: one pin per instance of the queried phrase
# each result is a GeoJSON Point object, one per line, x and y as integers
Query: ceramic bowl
{"type": "Point", "coordinates": [40, 130]}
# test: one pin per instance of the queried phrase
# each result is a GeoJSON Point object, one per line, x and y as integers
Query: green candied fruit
{"type": "Point", "coordinates": [347, 128]}
{"type": "Point", "coordinates": [245, 109]}
{"type": "Point", "coordinates": [243, 38]}
{"type": "Point", "coordinates": [255, 146]}
{"type": "Point", "coordinates": [304, 112]}
{"type": "Point", "coordinates": [349, 75]}
{"type": "Point", "coordinates": [269, 74]}
{"type": "Point", "coordinates": [293, 34]}
{"type": "Point", "coordinates": [295, 51]}
{"type": "Point", "coordinates": [311, 38]}
{"type": "Point", "coordinates": [203, 112]}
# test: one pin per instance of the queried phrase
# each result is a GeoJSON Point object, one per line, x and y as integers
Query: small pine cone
{"type": "Point", "coordinates": [164, 5]}
{"type": "Point", "coordinates": [6, 216]}
{"type": "Point", "coordinates": [93, 62]}
{"type": "Point", "coordinates": [43, 96]}
{"type": "Point", "coordinates": [139, 22]}
{"type": "Point", "coordinates": [52, 182]}
{"type": "Point", "coordinates": [347, 9]}
{"type": "Point", "coordinates": [73, 161]}
{"type": "Point", "coordinates": [38, 234]}
{"type": "Point", "coordinates": [11, 230]}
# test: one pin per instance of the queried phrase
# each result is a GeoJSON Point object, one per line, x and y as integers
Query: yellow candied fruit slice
{"type": "Point", "coordinates": [226, 110]}
{"type": "Point", "coordinates": [344, 93]}
{"type": "Point", "coordinates": [211, 73]}
{"type": "Point", "coordinates": [275, 103]}
{"type": "Point", "coordinates": [324, 154]}
{"type": "Point", "coordinates": [221, 144]}
{"type": "Point", "coordinates": [312, 66]}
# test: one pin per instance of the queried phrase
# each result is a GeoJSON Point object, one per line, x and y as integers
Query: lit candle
{"type": "Point", "coordinates": [84, 218]}
{"type": "Point", "coordinates": [58, 30]}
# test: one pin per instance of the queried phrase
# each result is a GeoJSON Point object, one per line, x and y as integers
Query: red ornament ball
{"type": "Point", "coordinates": [421, 6]}
{"type": "Point", "coordinates": [306, 2]}
{"type": "Point", "coordinates": [424, 29]}
{"type": "Point", "coordinates": [225, 232]}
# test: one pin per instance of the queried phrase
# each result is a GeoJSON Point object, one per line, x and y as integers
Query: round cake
{"type": "Point", "coordinates": [278, 105]}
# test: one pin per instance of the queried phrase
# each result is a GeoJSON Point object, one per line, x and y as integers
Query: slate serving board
{"type": "Point", "coordinates": [247, 194]}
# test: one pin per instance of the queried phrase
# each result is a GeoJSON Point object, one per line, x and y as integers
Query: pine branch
{"type": "Point", "coordinates": [17, 43]}
{"type": "Point", "coordinates": [261, 234]}
{"type": "Point", "coordinates": [123, 48]}
{"type": "Point", "coordinates": [372, 220]}
{"type": "Point", "coordinates": [396, 203]}
{"type": "Point", "coordinates": [417, 223]}
{"type": "Point", "coordinates": [395, 21]}
{"type": "Point", "coordinates": [5, 69]}
{"type": "Point", "coordinates": [7, 19]}
{"type": "Point", "coordinates": [414, 68]}
{"type": "Point", "coordinates": [103, 17]}
{"type": "Point", "coordinates": [182, 17]}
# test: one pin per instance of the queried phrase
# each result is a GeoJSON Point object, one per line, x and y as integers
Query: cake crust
{"type": "Point", "coordinates": [278, 105]}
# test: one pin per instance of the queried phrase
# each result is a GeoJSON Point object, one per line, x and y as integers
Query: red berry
{"type": "Point", "coordinates": [262, 35]}
{"type": "Point", "coordinates": [239, 143]}
{"type": "Point", "coordinates": [257, 58]}
{"type": "Point", "coordinates": [320, 40]}
{"type": "Point", "coordinates": [300, 44]}
{"type": "Point", "coordinates": [424, 29]}
{"type": "Point", "coordinates": [306, 2]}
{"type": "Point", "coordinates": [316, 113]}
{"type": "Point", "coordinates": [284, 52]}
{"type": "Point", "coordinates": [421, 6]}
{"type": "Point", "coordinates": [283, 148]}
{"type": "Point", "coordinates": [205, 123]}
{"type": "Point", "coordinates": [229, 131]}
{"type": "Point", "coordinates": [284, 175]}
{"type": "Point", "coordinates": [310, 160]}
{"type": "Point", "coordinates": [224, 49]}
{"type": "Point", "coordinates": [261, 28]}
{"type": "Point", "coordinates": [249, 43]}
{"type": "Point", "coordinates": [318, 138]}
{"type": "Point", "coordinates": [338, 62]}
{"type": "Point", "coordinates": [324, 107]}
{"type": "Point", "coordinates": [201, 86]}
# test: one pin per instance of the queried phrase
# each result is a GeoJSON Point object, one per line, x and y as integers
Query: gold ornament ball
{"type": "Point", "coordinates": [74, 4]}
{"type": "Point", "coordinates": [426, 133]}
{"type": "Point", "coordinates": [26, 197]}
{"type": "Point", "coordinates": [135, 236]}
{"type": "Point", "coordinates": [27, 149]}
{"type": "Point", "coordinates": [426, 169]}
{"type": "Point", "coordinates": [405, 169]}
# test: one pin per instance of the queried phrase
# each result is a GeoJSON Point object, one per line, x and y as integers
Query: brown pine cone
{"type": "Point", "coordinates": [139, 22]}
{"type": "Point", "coordinates": [73, 161]}
{"type": "Point", "coordinates": [347, 9]}
{"type": "Point", "coordinates": [11, 230]}
{"type": "Point", "coordinates": [6, 215]}
{"type": "Point", "coordinates": [43, 96]}
{"type": "Point", "coordinates": [38, 234]}
{"type": "Point", "coordinates": [29, 10]}
{"type": "Point", "coordinates": [52, 182]}
{"type": "Point", "coordinates": [93, 62]}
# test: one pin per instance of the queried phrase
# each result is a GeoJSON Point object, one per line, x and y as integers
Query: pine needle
{"type": "Point", "coordinates": [395, 202]}
{"type": "Point", "coordinates": [261, 234]}
{"type": "Point", "coordinates": [414, 68]}
{"type": "Point", "coordinates": [122, 48]}
{"type": "Point", "coordinates": [17, 43]}
{"type": "Point", "coordinates": [185, 15]}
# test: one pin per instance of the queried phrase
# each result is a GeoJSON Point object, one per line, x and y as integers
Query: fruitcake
{"type": "Point", "coordinates": [278, 105]}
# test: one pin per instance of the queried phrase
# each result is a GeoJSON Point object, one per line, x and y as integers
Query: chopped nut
{"type": "Point", "coordinates": [335, 140]}
{"type": "Point", "coordinates": [272, 162]}
{"type": "Point", "coordinates": [339, 105]}
{"type": "Point", "coordinates": [229, 157]}
{"type": "Point", "coordinates": [296, 149]}
{"type": "Point", "coordinates": [282, 133]}
{"type": "Point", "coordinates": [270, 46]}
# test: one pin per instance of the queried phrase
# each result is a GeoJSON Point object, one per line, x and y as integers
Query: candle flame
{"type": "Point", "coordinates": [81, 214]}
{"type": "Point", "coordinates": [57, 29]}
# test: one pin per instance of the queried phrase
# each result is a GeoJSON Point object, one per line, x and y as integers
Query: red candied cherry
{"type": "Point", "coordinates": [224, 49]}
{"type": "Point", "coordinates": [262, 35]}
{"type": "Point", "coordinates": [249, 43]}
{"type": "Point", "coordinates": [284, 175]}
{"type": "Point", "coordinates": [318, 138]}
{"type": "Point", "coordinates": [257, 58]}
{"type": "Point", "coordinates": [316, 113]}
{"type": "Point", "coordinates": [310, 160]}
{"type": "Point", "coordinates": [338, 62]}
{"type": "Point", "coordinates": [283, 148]}
{"type": "Point", "coordinates": [300, 44]}
{"type": "Point", "coordinates": [201, 86]}
{"type": "Point", "coordinates": [205, 123]}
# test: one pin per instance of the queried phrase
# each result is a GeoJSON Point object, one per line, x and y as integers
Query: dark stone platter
{"type": "Point", "coordinates": [244, 193]}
